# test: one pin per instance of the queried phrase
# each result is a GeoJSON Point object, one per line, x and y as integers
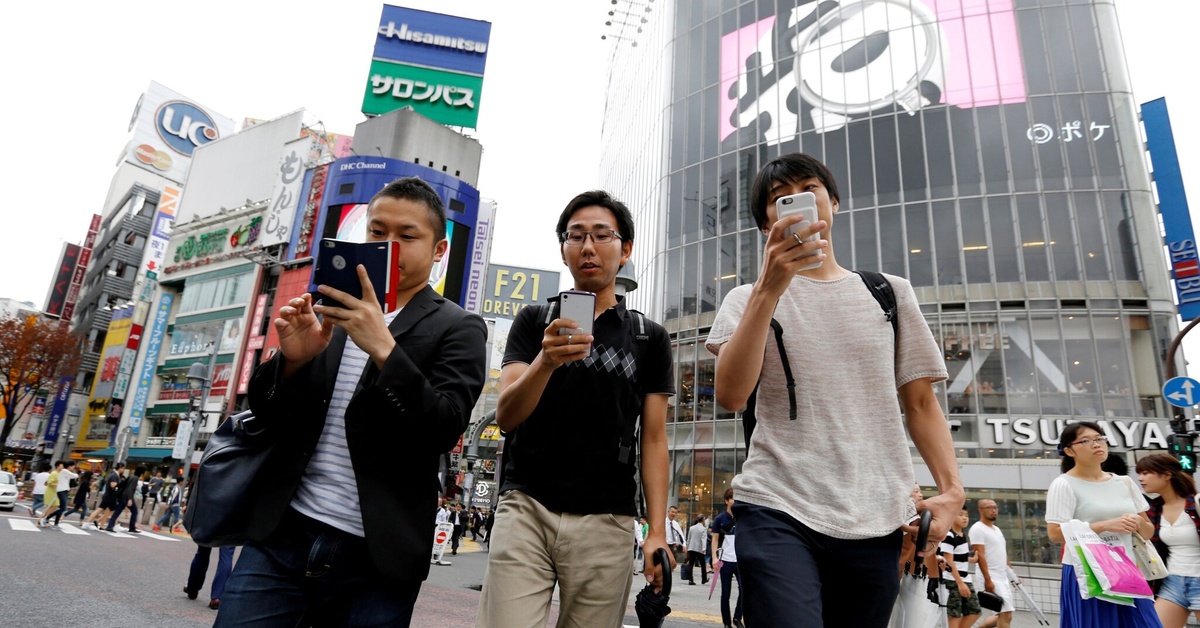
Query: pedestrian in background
{"type": "Point", "coordinates": [156, 485]}
{"type": "Point", "coordinates": [39, 491]}
{"type": "Point", "coordinates": [127, 499]}
{"type": "Point", "coordinates": [695, 550]}
{"type": "Point", "coordinates": [458, 520]}
{"type": "Point", "coordinates": [1108, 503]}
{"type": "Point", "coordinates": [66, 475]}
{"type": "Point", "coordinates": [199, 570]}
{"type": "Point", "coordinates": [723, 533]}
{"type": "Point", "coordinates": [1176, 535]}
{"type": "Point", "coordinates": [52, 502]}
{"type": "Point", "coordinates": [109, 498]}
{"type": "Point", "coordinates": [962, 606]}
{"type": "Point", "coordinates": [675, 536]}
{"type": "Point", "coordinates": [173, 500]}
{"type": "Point", "coordinates": [84, 489]}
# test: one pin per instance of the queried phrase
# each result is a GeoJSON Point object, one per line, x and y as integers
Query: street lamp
{"type": "Point", "coordinates": [73, 416]}
{"type": "Point", "coordinates": [199, 382]}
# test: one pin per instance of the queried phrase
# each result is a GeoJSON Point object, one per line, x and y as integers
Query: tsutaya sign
{"type": "Point", "coordinates": [1008, 432]}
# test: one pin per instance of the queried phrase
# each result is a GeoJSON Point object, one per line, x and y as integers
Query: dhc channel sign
{"type": "Point", "coordinates": [184, 126]}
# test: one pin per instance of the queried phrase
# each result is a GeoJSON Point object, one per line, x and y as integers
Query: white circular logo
{"type": "Point", "coordinates": [481, 489]}
{"type": "Point", "coordinates": [339, 262]}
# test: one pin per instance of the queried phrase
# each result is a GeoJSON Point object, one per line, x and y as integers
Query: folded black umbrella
{"type": "Point", "coordinates": [650, 605]}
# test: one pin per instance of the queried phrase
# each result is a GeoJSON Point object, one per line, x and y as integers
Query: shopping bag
{"type": "Point", "coordinates": [1085, 576]}
{"type": "Point", "coordinates": [1147, 558]}
{"type": "Point", "coordinates": [913, 609]}
{"type": "Point", "coordinates": [1115, 571]}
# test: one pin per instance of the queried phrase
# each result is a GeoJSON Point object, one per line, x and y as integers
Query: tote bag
{"type": "Point", "coordinates": [1145, 555]}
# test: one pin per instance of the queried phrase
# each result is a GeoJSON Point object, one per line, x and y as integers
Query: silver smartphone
{"type": "Point", "coordinates": [803, 204]}
{"type": "Point", "coordinates": [578, 306]}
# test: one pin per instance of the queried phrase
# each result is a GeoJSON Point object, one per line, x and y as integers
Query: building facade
{"type": "Point", "coordinates": [989, 152]}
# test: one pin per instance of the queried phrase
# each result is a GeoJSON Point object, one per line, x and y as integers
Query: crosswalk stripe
{"type": "Point", "coordinates": [159, 537]}
{"type": "Point", "coordinates": [23, 525]}
{"type": "Point", "coordinates": [70, 529]}
{"type": "Point", "coordinates": [118, 535]}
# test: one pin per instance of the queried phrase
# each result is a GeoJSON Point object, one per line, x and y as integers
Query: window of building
{"type": "Point", "coordinates": [920, 253]}
{"type": "Point", "coordinates": [217, 293]}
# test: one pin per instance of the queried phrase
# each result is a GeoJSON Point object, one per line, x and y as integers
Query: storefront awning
{"type": "Point", "coordinates": [136, 454]}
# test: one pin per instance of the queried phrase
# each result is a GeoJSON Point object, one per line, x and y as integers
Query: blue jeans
{"type": "Point", "coordinates": [308, 573]}
{"type": "Point", "coordinates": [729, 571]}
{"type": "Point", "coordinates": [39, 500]}
{"type": "Point", "coordinates": [170, 516]}
{"type": "Point", "coordinates": [796, 576]}
{"type": "Point", "coordinates": [199, 569]}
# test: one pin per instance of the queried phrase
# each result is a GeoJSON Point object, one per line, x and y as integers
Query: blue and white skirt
{"type": "Point", "coordinates": [1080, 613]}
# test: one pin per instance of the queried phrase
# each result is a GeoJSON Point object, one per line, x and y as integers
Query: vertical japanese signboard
{"type": "Point", "coordinates": [1173, 205]}
{"type": "Point", "coordinates": [85, 256]}
{"type": "Point", "coordinates": [137, 409]}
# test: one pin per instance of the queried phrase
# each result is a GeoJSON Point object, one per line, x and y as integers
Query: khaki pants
{"type": "Point", "coordinates": [588, 556]}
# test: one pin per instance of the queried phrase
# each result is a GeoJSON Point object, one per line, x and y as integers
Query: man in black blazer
{"type": "Point", "coordinates": [361, 405]}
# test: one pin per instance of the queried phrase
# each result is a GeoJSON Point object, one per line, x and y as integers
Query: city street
{"type": "Point", "coordinates": [71, 576]}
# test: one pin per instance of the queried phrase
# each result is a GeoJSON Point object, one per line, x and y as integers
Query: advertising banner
{"type": "Point", "coordinates": [59, 410]}
{"type": "Point", "coordinates": [432, 40]}
{"type": "Point", "coordinates": [167, 127]}
{"type": "Point", "coordinates": [441, 96]}
{"type": "Point", "coordinates": [254, 343]}
{"type": "Point", "coordinates": [512, 288]}
{"type": "Point", "coordinates": [57, 299]}
{"type": "Point", "coordinates": [1173, 205]}
{"type": "Point", "coordinates": [85, 256]}
{"type": "Point", "coordinates": [285, 198]}
{"type": "Point", "coordinates": [481, 252]}
{"type": "Point", "coordinates": [137, 409]}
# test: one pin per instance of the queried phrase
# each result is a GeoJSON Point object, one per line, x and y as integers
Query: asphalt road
{"type": "Point", "coordinates": [74, 577]}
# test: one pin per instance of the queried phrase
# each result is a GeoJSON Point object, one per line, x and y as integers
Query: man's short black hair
{"type": "Point", "coordinates": [416, 190]}
{"type": "Point", "coordinates": [791, 168]}
{"type": "Point", "coordinates": [120, 465]}
{"type": "Point", "coordinates": [599, 198]}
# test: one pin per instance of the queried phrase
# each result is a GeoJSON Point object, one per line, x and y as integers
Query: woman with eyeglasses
{"type": "Point", "coordinates": [1173, 515]}
{"type": "Point", "coordinates": [1109, 503]}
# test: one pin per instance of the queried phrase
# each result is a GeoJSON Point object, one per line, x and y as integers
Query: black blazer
{"type": "Point", "coordinates": [400, 421]}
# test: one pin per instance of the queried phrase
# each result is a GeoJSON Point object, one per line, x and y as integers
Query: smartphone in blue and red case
{"type": "Point", "coordinates": [337, 263]}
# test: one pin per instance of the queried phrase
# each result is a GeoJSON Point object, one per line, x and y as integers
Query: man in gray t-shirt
{"type": "Point", "coordinates": [823, 495]}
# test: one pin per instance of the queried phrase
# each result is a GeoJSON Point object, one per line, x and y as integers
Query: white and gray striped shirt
{"type": "Point", "coordinates": [328, 492]}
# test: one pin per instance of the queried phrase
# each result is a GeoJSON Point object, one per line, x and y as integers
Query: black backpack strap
{"type": "Point", "coordinates": [637, 329]}
{"type": "Point", "coordinates": [787, 369]}
{"type": "Point", "coordinates": [881, 289]}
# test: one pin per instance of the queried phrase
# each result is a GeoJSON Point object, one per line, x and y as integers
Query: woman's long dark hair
{"type": "Point", "coordinates": [1166, 464]}
{"type": "Point", "coordinates": [85, 481]}
{"type": "Point", "coordinates": [1068, 436]}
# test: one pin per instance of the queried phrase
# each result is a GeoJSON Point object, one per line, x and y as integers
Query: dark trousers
{"type": "Point", "coordinates": [132, 505]}
{"type": "Point", "coordinates": [199, 570]}
{"type": "Point", "coordinates": [62, 507]}
{"type": "Point", "coordinates": [458, 530]}
{"type": "Point", "coordinates": [795, 576]}
{"type": "Point", "coordinates": [79, 507]}
{"type": "Point", "coordinates": [311, 574]}
{"type": "Point", "coordinates": [696, 560]}
{"type": "Point", "coordinates": [729, 571]}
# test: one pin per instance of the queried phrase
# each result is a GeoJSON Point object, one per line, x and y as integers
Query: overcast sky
{"type": "Point", "coordinates": [72, 72]}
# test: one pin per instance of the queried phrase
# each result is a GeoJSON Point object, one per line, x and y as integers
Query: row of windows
{"type": "Point", "coordinates": [1048, 363]}
{"type": "Point", "coordinates": [215, 293]}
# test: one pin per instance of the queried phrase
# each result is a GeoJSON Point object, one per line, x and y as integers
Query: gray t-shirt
{"type": "Point", "coordinates": [843, 467]}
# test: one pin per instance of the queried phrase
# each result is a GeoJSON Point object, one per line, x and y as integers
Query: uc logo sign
{"type": "Point", "coordinates": [184, 126]}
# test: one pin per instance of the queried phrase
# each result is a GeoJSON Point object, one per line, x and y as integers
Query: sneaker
{"type": "Point", "coordinates": [30, 510]}
{"type": "Point", "coordinates": [156, 528]}
{"type": "Point", "coordinates": [88, 526]}
{"type": "Point", "coordinates": [135, 531]}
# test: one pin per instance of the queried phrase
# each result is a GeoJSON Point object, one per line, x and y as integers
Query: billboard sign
{"type": "Point", "coordinates": [432, 40]}
{"type": "Point", "coordinates": [1173, 205]}
{"type": "Point", "coordinates": [511, 288]}
{"type": "Point", "coordinates": [59, 410]}
{"type": "Point", "coordinates": [137, 408]}
{"type": "Point", "coordinates": [481, 252]}
{"type": "Point", "coordinates": [289, 182]}
{"type": "Point", "coordinates": [57, 299]}
{"type": "Point", "coordinates": [167, 127]}
{"type": "Point", "coordinates": [85, 257]}
{"type": "Point", "coordinates": [431, 62]}
{"type": "Point", "coordinates": [441, 96]}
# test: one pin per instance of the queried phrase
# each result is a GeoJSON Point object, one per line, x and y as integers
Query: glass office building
{"type": "Point", "coordinates": [987, 150]}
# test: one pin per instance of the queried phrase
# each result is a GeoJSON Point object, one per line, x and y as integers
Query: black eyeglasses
{"type": "Point", "coordinates": [1089, 442]}
{"type": "Point", "coordinates": [576, 237]}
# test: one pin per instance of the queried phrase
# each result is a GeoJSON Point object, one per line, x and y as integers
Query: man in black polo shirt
{"type": "Point", "coordinates": [567, 404]}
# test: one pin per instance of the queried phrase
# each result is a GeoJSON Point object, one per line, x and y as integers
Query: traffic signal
{"type": "Point", "coordinates": [1181, 447]}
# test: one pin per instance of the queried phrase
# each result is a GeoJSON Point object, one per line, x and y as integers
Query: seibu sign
{"type": "Point", "coordinates": [1009, 432]}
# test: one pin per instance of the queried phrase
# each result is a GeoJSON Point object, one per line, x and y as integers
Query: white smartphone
{"type": "Point", "coordinates": [803, 204]}
{"type": "Point", "coordinates": [578, 306]}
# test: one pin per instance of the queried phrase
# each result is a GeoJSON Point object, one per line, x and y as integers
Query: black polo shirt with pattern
{"type": "Point", "coordinates": [566, 454]}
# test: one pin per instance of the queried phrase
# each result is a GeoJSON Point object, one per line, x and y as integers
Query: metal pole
{"type": "Point", "coordinates": [204, 388]}
{"type": "Point", "coordinates": [1179, 422]}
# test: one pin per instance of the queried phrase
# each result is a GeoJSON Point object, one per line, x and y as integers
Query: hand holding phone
{"type": "Point", "coordinates": [578, 306]}
{"type": "Point", "coordinates": [804, 205]}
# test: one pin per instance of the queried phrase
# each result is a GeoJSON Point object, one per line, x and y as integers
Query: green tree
{"type": "Point", "coordinates": [34, 353]}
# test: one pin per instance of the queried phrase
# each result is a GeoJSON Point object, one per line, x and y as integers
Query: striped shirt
{"type": "Point", "coordinates": [956, 545]}
{"type": "Point", "coordinates": [328, 491]}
